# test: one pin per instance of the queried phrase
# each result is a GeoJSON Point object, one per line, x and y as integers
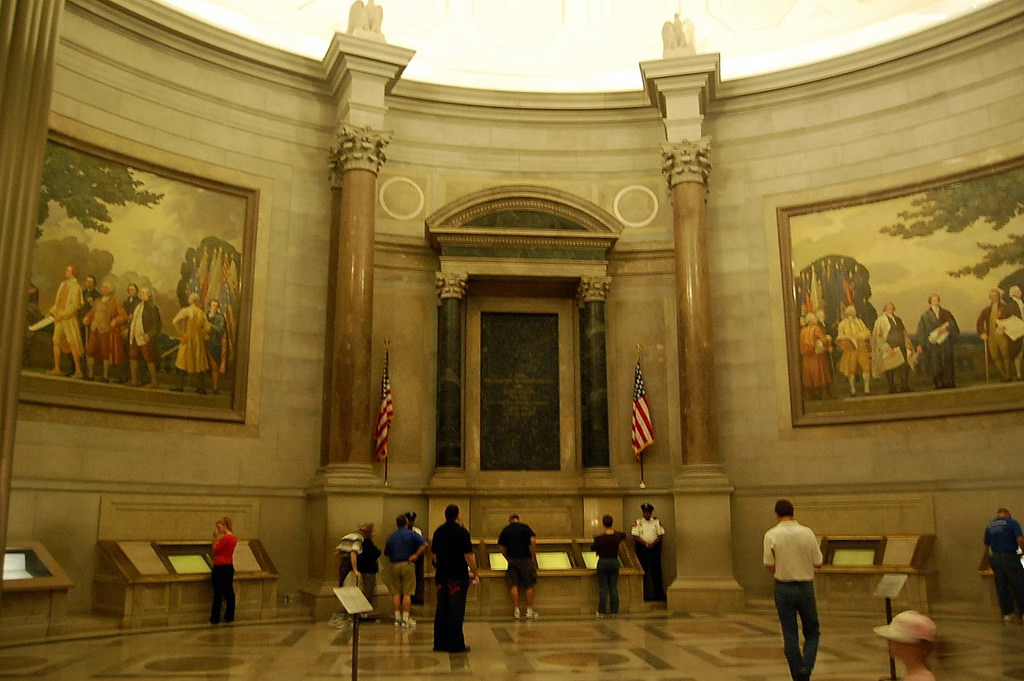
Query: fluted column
{"type": "Point", "coordinates": [347, 436]}
{"type": "Point", "coordinates": [592, 293]}
{"type": "Point", "coordinates": [686, 166]}
{"type": "Point", "coordinates": [451, 290]}
{"type": "Point", "coordinates": [27, 50]}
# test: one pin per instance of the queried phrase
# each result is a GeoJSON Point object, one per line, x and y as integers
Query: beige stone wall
{"type": "Point", "coordinates": [953, 108]}
{"type": "Point", "coordinates": [261, 119]}
{"type": "Point", "coordinates": [137, 90]}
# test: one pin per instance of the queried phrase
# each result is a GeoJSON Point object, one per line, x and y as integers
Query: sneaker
{"type": "Point", "coordinates": [599, 614]}
{"type": "Point", "coordinates": [409, 623]}
{"type": "Point", "coordinates": [531, 614]}
{"type": "Point", "coordinates": [516, 614]}
{"type": "Point", "coordinates": [1011, 619]}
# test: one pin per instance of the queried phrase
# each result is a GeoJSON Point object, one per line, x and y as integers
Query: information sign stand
{"type": "Point", "coordinates": [889, 587]}
{"type": "Point", "coordinates": [355, 604]}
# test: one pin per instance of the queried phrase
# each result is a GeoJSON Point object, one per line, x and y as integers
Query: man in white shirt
{"type": "Point", "coordinates": [791, 553]}
{"type": "Point", "coordinates": [647, 532]}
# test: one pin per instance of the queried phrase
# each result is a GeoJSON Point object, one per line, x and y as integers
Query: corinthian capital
{"type": "Point", "coordinates": [357, 147]}
{"type": "Point", "coordinates": [450, 285]}
{"type": "Point", "coordinates": [593, 289]}
{"type": "Point", "coordinates": [686, 161]}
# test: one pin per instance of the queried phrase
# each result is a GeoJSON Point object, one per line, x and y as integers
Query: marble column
{"type": "Point", "coordinates": [347, 490]}
{"type": "Point", "coordinates": [451, 290]}
{"type": "Point", "coordinates": [687, 166]}
{"type": "Point", "coordinates": [592, 293]}
{"type": "Point", "coordinates": [356, 158]}
{"type": "Point", "coordinates": [30, 39]}
{"type": "Point", "coordinates": [703, 530]}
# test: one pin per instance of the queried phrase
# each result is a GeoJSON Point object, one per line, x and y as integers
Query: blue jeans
{"type": "Point", "coordinates": [1009, 577]}
{"type": "Point", "coordinates": [792, 599]}
{"type": "Point", "coordinates": [607, 584]}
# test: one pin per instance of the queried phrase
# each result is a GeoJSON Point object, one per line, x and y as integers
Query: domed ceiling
{"type": "Point", "coordinates": [583, 45]}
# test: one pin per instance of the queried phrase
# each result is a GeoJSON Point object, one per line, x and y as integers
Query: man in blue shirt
{"type": "Point", "coordinates": [404, 548]}
{"type": "Point", "coordinates": [1004, 538]}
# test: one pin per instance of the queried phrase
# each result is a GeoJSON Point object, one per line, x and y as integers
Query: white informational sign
{"type": "Point", "coordinates": [352, 599]}
{"type": "Point", "coordinates": [890, 585]}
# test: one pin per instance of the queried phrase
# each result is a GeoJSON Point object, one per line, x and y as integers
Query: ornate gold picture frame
{"type": "Point", "coordinates": [141, 288]}
{"type": "Point", "coordinates": [946, 256]}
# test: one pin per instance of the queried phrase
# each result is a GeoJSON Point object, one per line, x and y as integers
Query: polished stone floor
{"type": "Point", "coordinates": [743, 646]}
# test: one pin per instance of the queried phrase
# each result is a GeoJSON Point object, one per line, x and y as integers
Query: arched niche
{"type": "Point", "coordinates": [520, 256]}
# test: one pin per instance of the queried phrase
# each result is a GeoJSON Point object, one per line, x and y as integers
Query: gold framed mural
{"type": "Point", "coordinates": [141, 288]}
{"type": "Point", "coordinates": [906, 303]}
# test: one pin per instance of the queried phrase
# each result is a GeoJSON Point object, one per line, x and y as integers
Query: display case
{"type": "Point", "coordinates": [566, 579]}
{"type": "Point", "coordinates": [854, 564]}
{"type": "Point", "coordinates": [35, 591]}
{"type": "Point", "coordinates": [160, 583]}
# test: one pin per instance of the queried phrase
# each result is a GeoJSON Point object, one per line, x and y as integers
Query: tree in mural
{"type": "Point", "coordinates": [85, 186]}
{"type": "Point", "coordinates": [831, 283]}
{"type": "Point", "coordinates": [996, 200]}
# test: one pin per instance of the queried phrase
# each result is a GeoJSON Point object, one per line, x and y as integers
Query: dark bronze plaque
{"type": "Point", "coordinates": [519, 392]}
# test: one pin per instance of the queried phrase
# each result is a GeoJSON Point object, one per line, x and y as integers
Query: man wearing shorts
{"type": "Point", "coordinates": [403, 549]}
{"type": "Point", "coordinates": [518, 543]}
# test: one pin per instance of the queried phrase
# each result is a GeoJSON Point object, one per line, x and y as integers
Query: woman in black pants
{"type": "Point", "coordinates": [224, 542]}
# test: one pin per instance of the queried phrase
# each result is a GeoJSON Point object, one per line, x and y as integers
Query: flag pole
{"type": "Point", "coordinates": [387, 369]}
{"type": "Point", "coordinates": [643, 485]}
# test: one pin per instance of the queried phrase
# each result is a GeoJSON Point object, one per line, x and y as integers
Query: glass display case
{"type": "Point", "coordinates": [854, 564]}
{"type": "Point", "coordinates": [156, 583]}
{"type": "Point", "coordinates": [35, 590]}
{"type": "Point", "coordinates": [566, 581]}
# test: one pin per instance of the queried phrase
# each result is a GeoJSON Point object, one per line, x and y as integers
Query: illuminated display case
{"type": "Point", "coordinates": [566, 581]}
{"type": "Point", "coordinates": [35, 591]}
{"type": "Point", "coordinates": [159, 583]}
{"type": "Point", "coordinates": [854, 564]}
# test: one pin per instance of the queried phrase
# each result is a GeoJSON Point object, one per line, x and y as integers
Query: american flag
{"type": "Point", "coordinates": [643, 432]}
{"type": "Point", "coordinates": [386, 413]}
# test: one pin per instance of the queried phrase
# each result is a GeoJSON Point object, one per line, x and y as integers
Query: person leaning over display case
{"type": "Point", "coordinates": [1003, 537]}
{"type": "Point", "coordinates": [606, 546]}
{"type": "Point", "coordinates": [223, 575]}
{"type": "Point", "coordinates": [518, 544]}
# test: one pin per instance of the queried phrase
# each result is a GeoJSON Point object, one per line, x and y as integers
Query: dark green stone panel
{"type": "Point", "coordinates": [519, 424]}
{"type": "Point", "coordinates": [449, 384]}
